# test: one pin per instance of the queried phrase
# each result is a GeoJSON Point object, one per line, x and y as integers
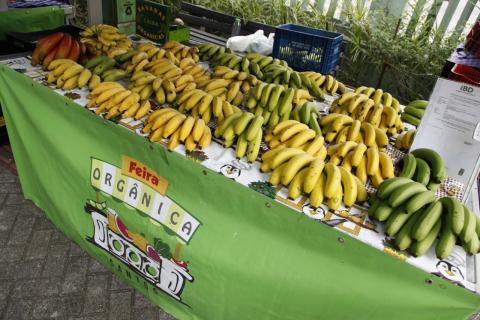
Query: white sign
{"type": "Point", "coordinates": [450, 127]}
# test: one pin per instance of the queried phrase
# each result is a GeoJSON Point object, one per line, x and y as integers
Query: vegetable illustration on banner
{"type": "Point", "coordinates": [140, 188]}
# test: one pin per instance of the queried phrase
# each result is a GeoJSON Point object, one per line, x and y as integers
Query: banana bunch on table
{"type": "Point", "coordinates": [294, 134]}
{"type": "Point", "coordinates": [235, 85]}
{"type": "Point", "coordinates": [339, 128]}
{"type": "Point", "coordinates": [308, 114]}
{"type": "Point", "coordinates": [416, 218]}
{"type": "Point", "coordinates": [413, 112]}
{"type": "Point", "coordinates": [113, 98]}
{"type": "Point", "coordinates": [364, 161]}
{"type": "Point", "coordinates": [102, 38]}
{"type": "Point", "coordinates": [379, 97]}
{"type": "Point", "coordinates": [245, 129]}
{"type": "Point", "coordinates": [424, 166]}
{"type": "Point", "coordinates": [300, 172]}
{"type": "Point", "coordinates": [168, 123]}
{"type": "Point", "coordinates": [146, 84]}
{"type": "Point", "coordinates": [360, 107]}
{"type": "Point", "coordinates": [404, 140]}
{"type": "Point", "coordinates": [67, 75]}
{"type": "Point", "coordinates": [181, 51]}
{"type": "Point", "coordinates": [325, 82]}
{"type": "Point", "coordinates": [205, 105]}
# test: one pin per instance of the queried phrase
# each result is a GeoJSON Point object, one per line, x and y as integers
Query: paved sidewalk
{"type": "Point", "coordinates": [44, 275]}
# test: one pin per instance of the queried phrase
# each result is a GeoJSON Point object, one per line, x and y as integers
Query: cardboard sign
{"type": "Point", "coordinates": [451, 126]}
{"type": "Point", "coordinates": [152, 20]}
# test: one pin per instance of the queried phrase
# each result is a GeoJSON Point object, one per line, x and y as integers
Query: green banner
{"type": "Point", "coordinates": [196, 243]}
{"type": "Point", "coordinates": [30, 20]}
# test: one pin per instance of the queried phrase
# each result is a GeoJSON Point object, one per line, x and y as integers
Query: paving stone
{"type": "Point", "coordinates": [21, 230]}
{"type": "Point", "coordinates": [96, 297]}
{"type": "Point", "coordinates": [75, 250]}
{"type": "Point", "coordinates": [162, 315]}
{"type": "Point", "coordinates": [28, 269]}
{"type": "Point", "coordinates": [3, 306]}
{"type": "Point", "coordinates": [54, 308]}
{"type": "Point", "coordinates": [96, 267]}
{"type": "Point", "coordinates": [9, 211]}
{"type": "Point", "coordinates": [141, 301]}
{"type": "Point", "coordinates": [10, 187]}
{"type": "Point", "coordinates": [75, 275]}
{"type": "Point", "coordinates": [7, 270]}
{"type": "Point", "coordinates": [42, 223]}
{"type": "Point", "coordinates": [55, 263]}
{"type": "Point", "coordinates": [16, 198]}
{"type": "Point", "coordinates": [59, 238]}
{"type": "Point", "coordinates": [11, 254]}
{"type": "Point", "coordinates": [18, 309]}
{"type": "Point", "coordinates": [36, 287]}
{"type": "Point", "coordinates": [99, 316]}
{"type": "Point", "coordinates": [8, 177]}
{"type": "Point", "coordinates": [120, 305]}
{"type": "Point", "coordinates": [3, 197]}
{"type": "Point", "coordinates": [119, 285]}
{"type": "Point", "coordinates": [145, 313]}
{"type": "Point", "coordinates": [5, 288]}
{"type": "Point", "coordinates": [39, 245]}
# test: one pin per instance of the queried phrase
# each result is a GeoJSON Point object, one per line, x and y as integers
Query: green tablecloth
{"type": "Point", "coordinates": [30, 20]}
{"type": "Point", "coordinates": [210, 248]}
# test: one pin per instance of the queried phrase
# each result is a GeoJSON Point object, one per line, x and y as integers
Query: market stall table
{"type": "Point", "coordinates": [183, 228]}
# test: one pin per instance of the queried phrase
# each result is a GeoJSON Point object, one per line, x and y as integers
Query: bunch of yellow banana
{"type": "Point", "coordinates": [360, 107]}
{"type": "Point", "coordinates": [324, 82]}
{"type": "Point", "coordinates": [378, 96]}
{"type": "Point", "coordinates": [113, 98]}
{"type": "Point", "coordinates": [365, 161]}
{"type": "Point", "coordinates": [301, 172]}
{"type": "Point", "coordinates": [165, 91]}
{"type": "Point", "coordinates": [163, 68]}
{"type": "Point", "coordinates": [67, 74]}
{"type": "Point", "coordinates": [235, 83]}
{"type": "Point", "coordinates": [138, 62]}
{"type": "Point", "coordinates": [153, 52]}
{"type": "Point", "coordinates": [246, 129]}
{"type": "Point", "coordinates": [181, 51]}
{"type": "Point", "coordinates": [205, 105]}
{"type": "Point", "coordinates": [294, 134]}
{"type": "Point", "coordinates": [340, 128]}
{"type": "Point", "coordinates": [141, 83]}
{"type": "Point", "coordinates": [198, 73]}
{"type": "Point", "coordinates": [404, 140]}
{"type": "Point", "coordinates": [102, 38]}
{"type": "Point", "coordinates": [168, 123]}
{"type": "Point", "coordinates": [225, 89]}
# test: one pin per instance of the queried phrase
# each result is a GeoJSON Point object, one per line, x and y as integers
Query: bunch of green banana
{"type": "Point", "coordinates": [414, 111]}
{"type": "Point", "coordinates": [415, 218]}
{"type": "Point", "coordinates": [360, 107]}
{"type": "Point", "coordinates": [245, 129]}
{"type": "Point", "coordinates": [205, 105]}
{"type": "Point", "coordinates": [105, 67]}
{"type": "Point", "coordinates": [113, 98]}
{"type": "Point", "coordinates": [294, 134]}
{"type": "Point", "coordinates": [67, 74]}
{"type": "Point", "coordinates": [380, 97]}
{"type": "Point", "coordinates": [300, 172]}
{"type": "Point", "coordinates": [404, 140]}
{"type": "Point", "coordinates": [209, 51]}
{"type": "Point", "coordinates": [273, 102]}
{"type": "Point", "coordinates": [424, 166]}
{"type": "Point", "coordinates": [362, 160]}
{"type": "Point", "coordinates": [340, 128]}
{"type": "Point", "coordinates": [308, 114]}
{"type": "Point", "coordinates": [325, 82]}
{"type": "Point", "coordinates": [178, 128]}
{"type": "Point", "coordinates": [181, 51]}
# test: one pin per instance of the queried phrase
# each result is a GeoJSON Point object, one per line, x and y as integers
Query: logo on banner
{"type": "Point", "coordinates": [140, 188]}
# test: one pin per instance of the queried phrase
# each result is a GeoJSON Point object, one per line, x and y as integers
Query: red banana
{"type": "Point", "coordinates": [45, 46]}
{"type": "Point", "coordinates": [49, 57]}
{"type": "Point", "coordinates": [64, 47]}
{"type": "Point", "coordinates": [74, 53]}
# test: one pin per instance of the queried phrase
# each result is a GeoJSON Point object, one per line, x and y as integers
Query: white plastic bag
{"type": "Point", "coordinates": [255, 42]}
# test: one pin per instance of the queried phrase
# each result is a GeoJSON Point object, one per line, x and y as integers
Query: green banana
{"type": "Point", "coordinates": [403, 240]}
{"type": "Point", "coordinates": [105, 65]}
{"type": "Point", "coordinates": [470, 224]}
{"type": "Point", "coordinates": [390, 185]}
{"type": "Point", "coordinates": [409, 164]}
{"type": "Point", "coordinates": [414, 112]}
{"type": "Point", "coordinates": [372, 210]}
{"type": "Point", "coordinates": [434, 161]}
{"type": "Point", "coordinates": [419, 200]}
{"type": "Point", "coordinates": [121, 58]}
{"type": "Point", "coordinates": [92, 63]}
{"type": "Point", "coordinates": [422, 172]}
{"type": "Point", "coordinates": [473, 245]}
{"type": "Point", "coordinates": [419, 104]}
{"type": "Point", "coordinates": [296, 79]}
{"type": "Point", "coordinates": [425, 223]}
{"type": "Point", "coordinates": [447, 239]}
{"type": "Point", "coordinates": [404, 192]}
{"type": "Point", "coordinates": [266, 94]}
{"type": "Point", "coordinates": [245, 65]}
{"type": "Point", "coordinates": [406, 117]}
{"type": "Point", "coordinates": [274, 98]}
{"type": "Point", "coordinates": [116, 75]}
{"type": "Point", "coordinates": [396, 221]}
{"type": "Point", "coordinates": [258, 90]}
{"type": "Point", "coordinates": [421, 247]}
{"type": "Point", "coordinates": [455, 213]}
{"type": "Point", "coordinates": [313, 124]}
{"type": "Point", "coordinates": [433, 186]}
{"type": "Point", "coordinates": [383, 211]}
{"type": "Point", "coordinates": [305, 112]}
{"type": "Point", "coordinates": [286, 101]}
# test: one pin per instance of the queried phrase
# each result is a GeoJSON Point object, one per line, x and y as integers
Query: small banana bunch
{"type": "Point", "coordinates": [325, 82]}
{"type": "Point", "coordinates": [67, 74]}
{"type": "Point", "coordinates": [113, 98]}
{"type": "Point", "coordinates": [105, 67]}
{"type": "Point", "coordinates": [205, 105]}
{"type": "Point", "coordinates": [424, 166]}
{"type": "Point", "coordinates": [244, 128]}
{"type": "Point", "coordinates": [340, 128]}
{"type": "Point", "coordinates": [404, 140]}
{"type": "Point", "coordinates": [414, 111]}
{"type": "Point", "coordinates": [241, 82]}
{"type": "Point", "coordinates": [137, 62]}
{"type": "Point", "coordinates": [102, 38]}
{"type": "Point", "coordinates": [168, 123]}
{"type": "Point", "coordinates": [365, 161]}
{"type": "Point", "coordinates": [141, 83]}
{"type": "Point", "coordinates": [300, 172]}
{"type": "Point", "coordinates": [308, 113]}
{"type": "Point", "coordinates": [378, 96]}
{"type": "Point", "coordinates": [271, 101]}
{"type": "Point", "coordinates": [294, 134]}
{"type": "Point", "coordinates": [154, 53]}
{"type": "Point", "coordinates": [145, 84]}
{"type": "Point", "coordinates": [360, 107]}
{"type": "Point", "coordinates": [181, 51]}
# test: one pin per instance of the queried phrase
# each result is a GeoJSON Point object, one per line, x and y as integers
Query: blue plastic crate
{"type": "Point", "coordinates": [307, 48]}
